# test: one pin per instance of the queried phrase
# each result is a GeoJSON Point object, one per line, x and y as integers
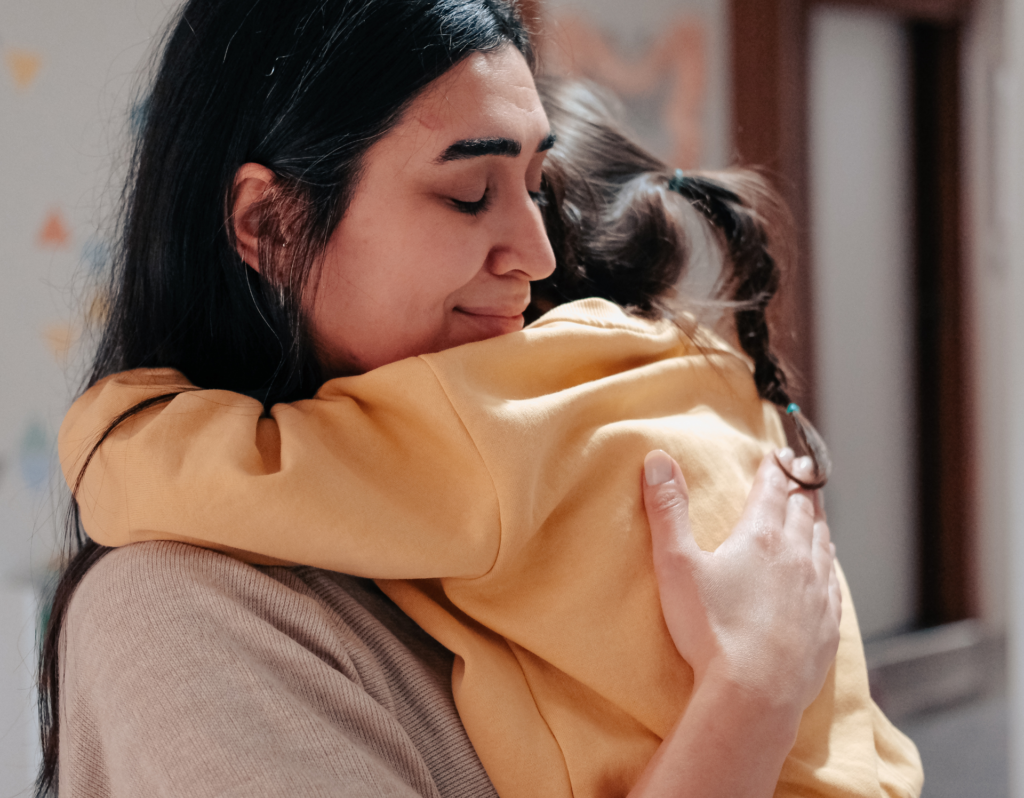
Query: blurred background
{"type": "Point", "coordinates": [895, 130]}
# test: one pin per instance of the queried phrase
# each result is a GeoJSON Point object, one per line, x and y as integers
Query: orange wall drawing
{"type": "Point", "coordinates": [23, 66]}
{"type": "Point", "coordinates": [54, 233]}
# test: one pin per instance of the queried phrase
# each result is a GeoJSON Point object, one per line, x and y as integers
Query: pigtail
{"type": "Point", "coordinates": [751, 284]}
{"type": "Point", "coordinates": [620, 231]}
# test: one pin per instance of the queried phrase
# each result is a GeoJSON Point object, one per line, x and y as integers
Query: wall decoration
{"type": "Point", "coordinates": [34, 456]}
{"type": "Point", "coordinates": [99, 309]}
{"type": "Point", "coordinates": [138, 115]}
{"type": "Point", "coordinates": [95, 254]}
{"type": "Point", "coordinates": [54, 233]}
{"type": "Point", "coordinates": [671, 72]}
{"type": "Point", "coordinates": [59, 339]}
{"type": "Point", "coordinates": [67, 114]}
{"type": "Point", "coordinates": [23, 66]}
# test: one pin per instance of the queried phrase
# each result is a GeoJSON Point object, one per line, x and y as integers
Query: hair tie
{"type": "Point", "coordinates": [677, 181]}
{"type": "Point", "coordinates": [792, 408]}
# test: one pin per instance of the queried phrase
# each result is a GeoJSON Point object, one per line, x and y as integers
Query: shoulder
{"type": "Point", "coordinates": [142, 577]}
{"type": "Point", "coordinates": [180, 661]}
{"type": "Point", "coordinates": [597, 313]}
{"type": "Point", "coordinates": [145, 593]}
{"type": "Point", "coordinates": [173, 605]}
{"type": "Point", "coordinates": [599, 317]}
{"type": "Point", "coordinates": [155, 614]}
{"type": "Point", "coordinates": [165, 594]}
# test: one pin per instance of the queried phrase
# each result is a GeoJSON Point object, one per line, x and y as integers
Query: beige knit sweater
{"type": "Point", "coordinates": [188, 673]}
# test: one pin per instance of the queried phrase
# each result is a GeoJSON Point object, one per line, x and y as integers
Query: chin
{"type": "Point", "coordinates": [473, 328]}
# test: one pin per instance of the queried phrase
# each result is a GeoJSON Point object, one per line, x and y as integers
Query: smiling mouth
{"type": "Point", "coordinates": [491, 313]}
{"type": "Point", "coordinates": [493, 321]}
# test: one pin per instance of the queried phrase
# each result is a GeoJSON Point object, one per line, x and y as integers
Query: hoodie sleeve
{"type": "Point", "coordinates": [376, 476]}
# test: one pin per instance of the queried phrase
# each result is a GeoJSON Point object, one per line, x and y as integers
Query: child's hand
{"type": "Point", "coordinates": [761, 613]}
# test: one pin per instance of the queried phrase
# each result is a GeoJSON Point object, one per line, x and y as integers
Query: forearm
{"type": "Point", "coordinates": [728, 743]}
{"type": "Point", "coordinates": [209, 468]}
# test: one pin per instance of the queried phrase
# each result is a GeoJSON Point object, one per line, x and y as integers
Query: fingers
{"type": "Point", "coordinates": [835, 595]}
{"type": "Point", "coordinates": [766, 505]}
{"type": "Point", "coordinates": [804, 509]}
{"type": "Point", "coordinates": [819, 504]}
{"type": "Point", "coordinates": [822, 550]}
{"type": "Point", "coordinates": [823, 555]}
{"type": "Point", "coordinates": [667, 502]}
{"type": "Point", "coordinates": [835, 590]}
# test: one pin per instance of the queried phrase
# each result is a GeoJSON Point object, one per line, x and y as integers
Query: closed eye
{"type": "Point", "coordinates": [472, 208]}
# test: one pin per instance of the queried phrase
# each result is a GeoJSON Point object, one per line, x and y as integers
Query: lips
{"type": "Point", "coordinates": [493, 321]}
{"type": "Point", "coordinates": [498, 313]}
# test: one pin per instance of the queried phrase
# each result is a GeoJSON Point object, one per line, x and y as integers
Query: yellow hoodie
{"type": "Point", "coordinates": [493, 490]}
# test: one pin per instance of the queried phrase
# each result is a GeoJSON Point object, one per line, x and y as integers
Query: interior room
{"type": "Point", "coordinates": [894, 129]}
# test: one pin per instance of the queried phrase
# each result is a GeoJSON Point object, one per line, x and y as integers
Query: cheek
{"type": "Point", "coordinates": [386, 289]}
{"type": "Point", "coordinates": [444, 249]}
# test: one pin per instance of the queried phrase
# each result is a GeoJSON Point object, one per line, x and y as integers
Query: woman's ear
{"type": "Point", "coordinates": [252, 181]}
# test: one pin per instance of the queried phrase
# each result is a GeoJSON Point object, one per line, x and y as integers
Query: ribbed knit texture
{"type": "Point", "coordinates": [188, 673]}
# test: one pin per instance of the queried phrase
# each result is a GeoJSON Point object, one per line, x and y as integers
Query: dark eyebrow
{"type": "Point", "coordinates": [476, 148]}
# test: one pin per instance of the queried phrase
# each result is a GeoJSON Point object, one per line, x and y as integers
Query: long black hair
{"type": "Point", "coordinates": [303, 87]}
{"type": "Point", "coordinates": [621, 226]}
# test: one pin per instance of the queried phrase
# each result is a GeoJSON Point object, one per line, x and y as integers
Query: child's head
{"type": "Point", "coordinates": [627, 228]}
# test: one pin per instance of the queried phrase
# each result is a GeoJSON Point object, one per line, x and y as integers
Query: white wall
{"type": "Point", "coordinates": [862, 254]}
{"type": "Point", "coordinates": [61, 133]}
{"type": "Point", "coordinates": [61, 125]}
{"type": "Point", "coordinates": [19, 732]}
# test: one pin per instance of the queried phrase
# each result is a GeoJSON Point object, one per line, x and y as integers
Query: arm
{"type": "Point", "coordinates": [377, 471]}
{"type": "Point", "coordinates": [189, 673]}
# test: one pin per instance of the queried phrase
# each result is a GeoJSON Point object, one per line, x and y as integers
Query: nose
{"type": "Point", "coordinates": [525, 246]}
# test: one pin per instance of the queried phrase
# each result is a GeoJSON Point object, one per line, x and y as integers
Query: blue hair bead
{"type": "Point", "coordinates": [677, 181]}
{"type": "Point", "coordinates": [793, 408]}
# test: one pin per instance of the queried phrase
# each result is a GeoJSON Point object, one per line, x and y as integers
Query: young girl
{"type": "Point", "coordinates": [516, 536]}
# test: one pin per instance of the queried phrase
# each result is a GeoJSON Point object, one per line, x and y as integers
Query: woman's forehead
{"type": "Point", "coordinates": [486, 96]}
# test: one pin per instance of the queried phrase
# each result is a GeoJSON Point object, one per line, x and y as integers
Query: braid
{"type": "Point", "coordinates": [618, 232]}
{"type": "Point", "coordinates": [753, 283]}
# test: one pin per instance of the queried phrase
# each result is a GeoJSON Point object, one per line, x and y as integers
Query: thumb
{"type": "Point", "coordinates": [667, 501]}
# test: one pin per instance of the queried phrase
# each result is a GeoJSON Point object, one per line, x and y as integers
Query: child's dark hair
{"type": "Point", "coordinates": [624, 227]}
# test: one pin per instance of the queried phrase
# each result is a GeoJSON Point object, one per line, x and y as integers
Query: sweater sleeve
{"type": "Point", "coordinates": [376, 476]}
{"type": "Point", "coordinates": [189, 673]}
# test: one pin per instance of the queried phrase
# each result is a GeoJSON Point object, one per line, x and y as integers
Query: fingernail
{"type": "Point", "coordinates": [785, 454]}
{"type": "Point", "coordinates": [657, 468]}
{"type": "Point", "coordinates": [803, 467]}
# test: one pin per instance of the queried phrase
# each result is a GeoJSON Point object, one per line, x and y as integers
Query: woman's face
{"type": "Point", "coordinates": [443, 234]}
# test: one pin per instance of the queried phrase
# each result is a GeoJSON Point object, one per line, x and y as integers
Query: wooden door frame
{"type": "Point", "coordinates": [770, 127]}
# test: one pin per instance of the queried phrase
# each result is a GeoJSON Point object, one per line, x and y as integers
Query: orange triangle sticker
{"type": "Point", "coordinates": [24, 66]}
{"type": "Point", "coordinates": [54, 233]}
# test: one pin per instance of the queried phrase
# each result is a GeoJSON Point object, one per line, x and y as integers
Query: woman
{"type": "Point", "coordinates": [184, 301]}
